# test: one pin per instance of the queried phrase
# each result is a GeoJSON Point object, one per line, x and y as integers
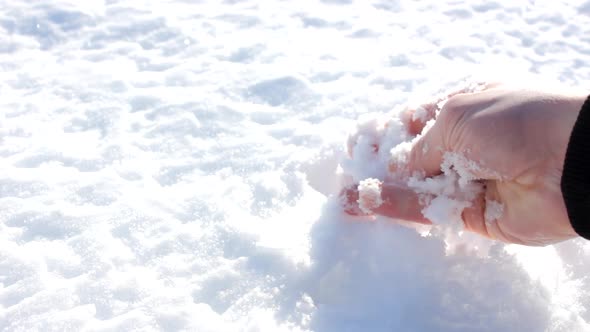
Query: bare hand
{"type": "Point", "coordinates": [518, 139]}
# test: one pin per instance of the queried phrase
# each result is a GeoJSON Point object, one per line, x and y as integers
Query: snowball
{"type": "Point", "coordinates": [369, 195]}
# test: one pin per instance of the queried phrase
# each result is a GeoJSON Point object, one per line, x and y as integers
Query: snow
{"type": "Point", "coordinates": [494, 210]}
{"type": "Point", "coordinates": [171, 165]}
{"type": "Point", "coordinates": [369, 195]}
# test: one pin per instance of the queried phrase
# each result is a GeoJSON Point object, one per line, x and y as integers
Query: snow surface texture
{"type": "Point", "coordinates": [168, 165]}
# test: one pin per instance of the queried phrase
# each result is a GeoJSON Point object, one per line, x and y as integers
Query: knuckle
{"type": "Point", "coordinates": [454, 115]}
{"type": "Point", "coordinates": [455, 107]}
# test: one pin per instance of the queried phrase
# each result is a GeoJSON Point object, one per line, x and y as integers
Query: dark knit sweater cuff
{"type": "Point", "coordinates": [575, 181]}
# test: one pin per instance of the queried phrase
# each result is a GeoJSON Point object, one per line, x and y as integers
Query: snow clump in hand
{"type": "Point", "coordinates": [369, 195]}
{"type": "Point", "coordinates": [379, 150]}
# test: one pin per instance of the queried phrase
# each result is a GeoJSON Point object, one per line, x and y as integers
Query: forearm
{"type": "Point", "coordinates": [575, 181]}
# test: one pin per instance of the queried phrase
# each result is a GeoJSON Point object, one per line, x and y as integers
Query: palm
{"type": "Point", "coordinates": [520, 163]}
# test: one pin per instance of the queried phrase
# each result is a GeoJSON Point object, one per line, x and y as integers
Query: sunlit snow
{"type": "Point", "coordinates": [171, 165]}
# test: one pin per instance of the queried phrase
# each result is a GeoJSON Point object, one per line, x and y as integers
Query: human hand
{"type": "Point", "coordinates": [517, 140]}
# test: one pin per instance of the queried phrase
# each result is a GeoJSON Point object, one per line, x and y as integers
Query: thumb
{"type": "Point", "coordinates": [427, 152]}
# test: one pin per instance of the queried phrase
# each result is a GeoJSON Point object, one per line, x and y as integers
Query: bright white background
{"type": "Point", "coordinates": [166, 165]}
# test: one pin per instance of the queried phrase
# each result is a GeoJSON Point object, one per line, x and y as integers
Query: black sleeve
{"type": "Point", "coordinates": [575, 180]}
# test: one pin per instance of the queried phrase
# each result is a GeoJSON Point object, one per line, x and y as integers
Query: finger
{"type": "Point", "coordinates": [474, 217]}
{"type": "Point", "coordinates": [486, 214]}
{"type": "Point", "coordinates": [400, 202]}
{"type": "Point", "coordinates": [349, 197]}
{"type": "Point", "coordinates": [427, 153]}
{"type": "Point", "coordinates": [415, 118]}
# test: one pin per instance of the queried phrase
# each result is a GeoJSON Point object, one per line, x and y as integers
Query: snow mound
{"type": "Point", "coordinates": [173, 165]}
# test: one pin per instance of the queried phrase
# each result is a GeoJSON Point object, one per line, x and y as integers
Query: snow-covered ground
{"type": "Point", "coordinates": [168, 165]}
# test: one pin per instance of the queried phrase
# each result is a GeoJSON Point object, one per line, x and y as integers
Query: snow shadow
{"type": "Point", "coordinates": [379, 276]}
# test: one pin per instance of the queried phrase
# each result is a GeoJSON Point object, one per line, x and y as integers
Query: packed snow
{"type": "Point", "coordinates": [174, 165]}
{"type": "Point", "coordinates": [369, 195]}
